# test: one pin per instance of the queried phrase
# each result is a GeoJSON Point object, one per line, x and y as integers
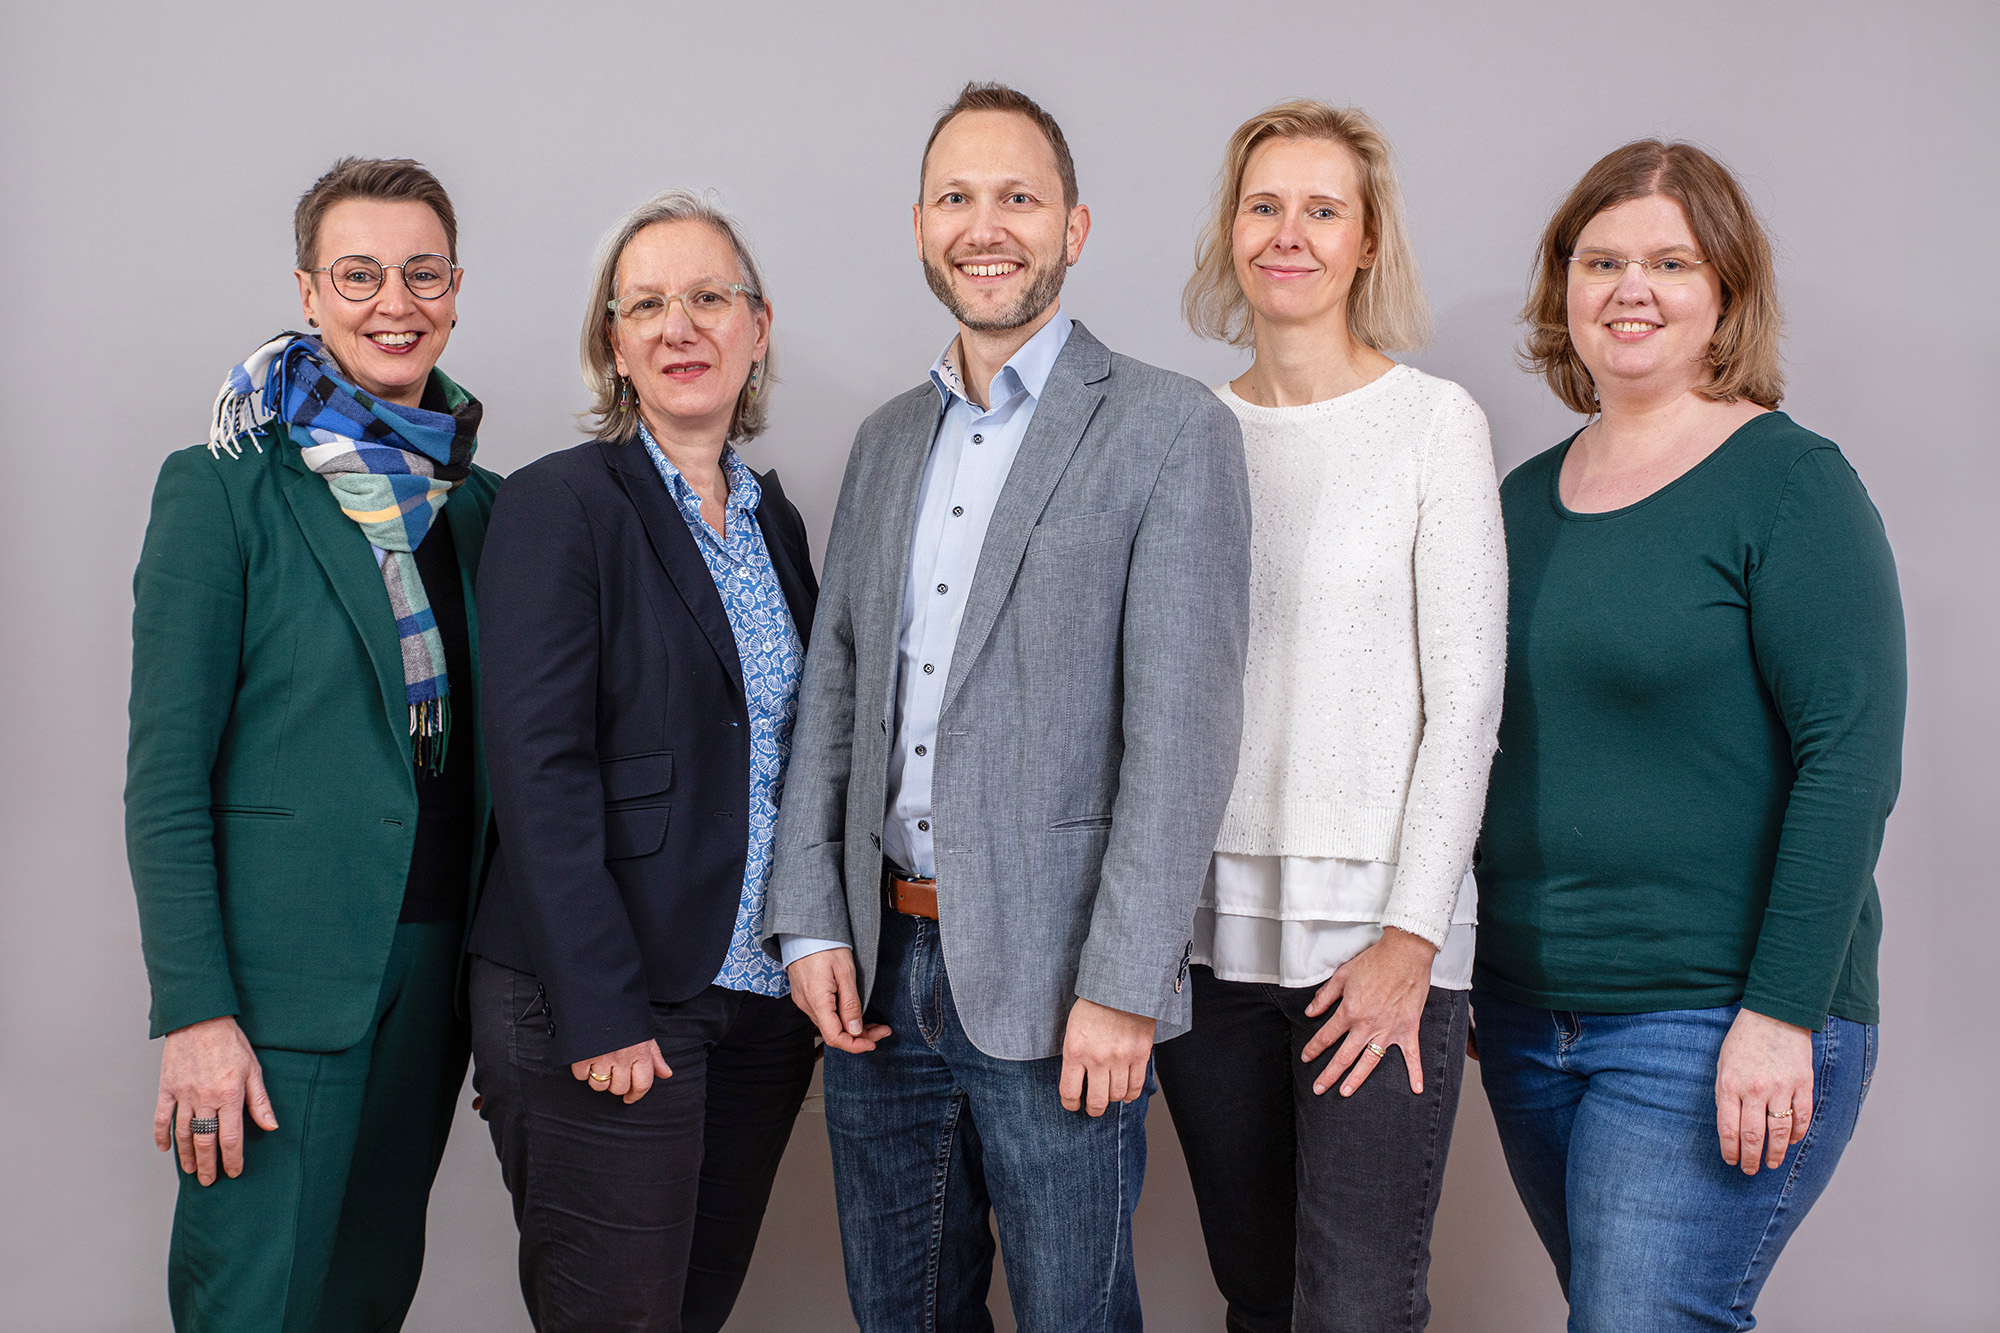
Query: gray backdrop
{"type": "Point", "coordinates": [152, 154]}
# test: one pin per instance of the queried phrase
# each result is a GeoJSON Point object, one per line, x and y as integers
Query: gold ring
{"type": "Point", "coordinates": [1779, 1115]}
{"type": "Point", "coordinates": [596, 1077]}
{"type": "Point", "coordinates": [1380, 1051]}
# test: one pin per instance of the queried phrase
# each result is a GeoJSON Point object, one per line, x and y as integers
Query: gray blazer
{"type": "Point", "coordinates": [1088, 739]}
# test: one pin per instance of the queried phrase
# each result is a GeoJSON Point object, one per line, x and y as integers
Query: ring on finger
{"type": "Point", "coordinates": [1378, 1050]}
{"type": "Point", "coordinates": [1779, 1115]}
{"type": "Point", "coordinates": [205, 1125]}
{"type": "Point", "coordinates": [596, 1077]}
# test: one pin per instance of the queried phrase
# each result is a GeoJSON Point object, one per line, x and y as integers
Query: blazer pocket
{"type": "Point", "coordinates": [1082, 823]}
{"type": "Point", "coordinates": [1067, 534]}
{"type": "Point", "coordinates": [634, 830]}
{"type": "Point", "coordinates": [633, 777]}
{"type": "Point", "coordinates": [251, 812]}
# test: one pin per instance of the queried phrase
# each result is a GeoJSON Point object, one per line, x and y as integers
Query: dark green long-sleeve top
{"type": "Point", "coordinates": [1701, 741]}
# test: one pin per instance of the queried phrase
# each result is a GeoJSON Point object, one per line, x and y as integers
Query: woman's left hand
{"type": "Point", "coordinates": [1381, 993]}
{"type": "Point", "coordinates": [1763, 1090]}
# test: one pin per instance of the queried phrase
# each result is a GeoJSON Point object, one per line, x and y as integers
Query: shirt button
{"type": "Point", "coordinates": [920, 749]}
{"type": "Point", "coordinates": [924, 825]}
{"type": "Point", "coordinates": [979, 439]}
{"type": "Point", "coordinates": [928, 668]}
{"type": "Point", "coordinates": [942, 588]}
{"type": "Point", "coordinates": [958, 511]}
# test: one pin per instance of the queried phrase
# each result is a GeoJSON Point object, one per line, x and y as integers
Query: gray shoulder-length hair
{"type": "Point", "coordinates": [614, 414]}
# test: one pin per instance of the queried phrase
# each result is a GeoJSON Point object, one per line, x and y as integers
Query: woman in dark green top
{"type": "Point", "coordinates": [1675, 989]}
{"type": "Point", "coordinates": [305, 808]}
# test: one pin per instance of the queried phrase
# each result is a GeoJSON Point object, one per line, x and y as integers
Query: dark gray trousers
{"type": "Point", "coordinates": [1316, 1210]}
{"type": "Point", "coordinates": [641, 1216]}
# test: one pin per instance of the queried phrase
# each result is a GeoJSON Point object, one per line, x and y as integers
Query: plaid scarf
{"type": "Point", "coordinates": [391, 469]}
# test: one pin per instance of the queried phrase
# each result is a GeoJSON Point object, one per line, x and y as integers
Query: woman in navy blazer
{"type": "Point", "coordinates": [649, 599]}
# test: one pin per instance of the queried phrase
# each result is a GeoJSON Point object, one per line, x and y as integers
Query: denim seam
{"type": "Point", "coordinates": [1118, 1231]}
{"type": "Point", "coordinates": [940, 1174]}
{"type": "Point", "coordinates": [1822, 1079]}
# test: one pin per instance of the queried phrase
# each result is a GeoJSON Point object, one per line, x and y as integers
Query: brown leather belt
{"type": "Point", "coordinates": [911, 897]}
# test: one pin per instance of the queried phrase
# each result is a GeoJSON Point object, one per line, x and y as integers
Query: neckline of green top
{"type": "Point", "coordinates": [1580, 516]}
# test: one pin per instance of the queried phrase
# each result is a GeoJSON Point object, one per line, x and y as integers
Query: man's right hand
{"type": "Point", "coordinates": [824, 988]}
{"type": "Point", "coordinates": [209, 1070]}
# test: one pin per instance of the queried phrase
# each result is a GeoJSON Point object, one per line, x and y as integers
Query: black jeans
{"type": "Point", "coordinates": [1316, 1210]}
{"type": "Point", "coordinates": [640, 1216]}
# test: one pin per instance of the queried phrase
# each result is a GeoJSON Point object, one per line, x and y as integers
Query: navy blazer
{"type": "Point", "coordinates": [617, 739]}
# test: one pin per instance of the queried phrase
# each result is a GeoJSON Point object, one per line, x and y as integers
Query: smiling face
{"type": "Point", "coordinates": [992, 231]}
{"type": "Point", "coordinates": [1300, 233]}
{"type": "Point", "coordinates": [387, 343]}
{"type": "Point", "coordinates": [687, 378]}
{"type": "Point", "coordinates": [1636, 332]}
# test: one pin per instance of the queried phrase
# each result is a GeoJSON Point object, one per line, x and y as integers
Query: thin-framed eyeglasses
{"type": "Point", "coordinates": [358, 277]}
{"type": "Point", "coordinates": [1595, 266]}
{"type": "Point", "coordinates": [708, 305]}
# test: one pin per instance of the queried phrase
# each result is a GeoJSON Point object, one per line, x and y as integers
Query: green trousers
{"type": "Point", "coordinates": [324, 1230]}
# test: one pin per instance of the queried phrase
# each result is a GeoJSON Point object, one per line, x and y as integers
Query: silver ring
{"type": "Point", "coordinates": [210, 1125]}
{"type": "Point", "coordinates": [1377, 1050]}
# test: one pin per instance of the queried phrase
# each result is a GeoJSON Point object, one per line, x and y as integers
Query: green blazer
{"type": "Point", "coordinates": [270, 798]}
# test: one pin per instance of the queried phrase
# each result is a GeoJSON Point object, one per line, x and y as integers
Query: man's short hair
{"type": "Point", "coordinates": [999, 97]}
{"type": "Point", "coordinates": [391, 180]}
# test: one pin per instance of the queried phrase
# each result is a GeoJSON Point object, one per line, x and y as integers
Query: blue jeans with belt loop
{"type": "Point", "coordinates": [929, 1134]}
{"type": "Point", "coordinates": [1608, 1124]}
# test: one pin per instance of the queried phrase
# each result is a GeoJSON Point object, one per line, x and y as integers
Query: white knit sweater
{"type": "Point", "coordinates": [1378, 632]}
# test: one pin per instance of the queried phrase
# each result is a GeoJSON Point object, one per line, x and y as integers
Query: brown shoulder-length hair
{"type": "Point", "coordinates": [613, 414]}
{"type": "Point", "coordinates": [1743, 360]}
{"type": "Point", "coordinates": [1386, 308]}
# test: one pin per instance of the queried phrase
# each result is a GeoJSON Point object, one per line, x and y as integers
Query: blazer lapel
{"type": "Point", "coordinates": [349, 562]}
{"type": "Point", "coordinates": [878, 621]}
{"type": "Point", "coordinates": [1069, 399]}
{"type": "Point", "coordinates": [796, 584]}
{"type": "Point", "coordinates": [674, 546]}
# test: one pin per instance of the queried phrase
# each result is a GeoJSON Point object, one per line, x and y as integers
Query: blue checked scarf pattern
{"type": "Point", "coordinates": [391, 469]}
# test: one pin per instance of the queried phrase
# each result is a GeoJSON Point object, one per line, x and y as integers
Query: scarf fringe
{"type": "Point", "coordinates": [430, 733]}
{"type": "Point", "coordinates": [234, 416]}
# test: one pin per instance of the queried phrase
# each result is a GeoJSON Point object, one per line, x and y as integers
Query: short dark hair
{"type": "Point", "coordinates": [390, 179]}
{"type": "Point", "coordinates": [999, 97]}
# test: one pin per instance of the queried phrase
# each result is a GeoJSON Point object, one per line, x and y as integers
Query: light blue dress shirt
{"type": "Point", "coordinates": [767, 646]}
{"type": "Point", "coordinates": [970, 458]}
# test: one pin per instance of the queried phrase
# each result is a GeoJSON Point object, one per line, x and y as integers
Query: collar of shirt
{"type": "Point", "coordinates": [1027, 370]}
{"type": "Point", "coordinates": [744, 492]}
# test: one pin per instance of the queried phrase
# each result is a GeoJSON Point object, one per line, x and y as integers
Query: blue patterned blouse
{"type": "Point", "coordinates": [767, 644]}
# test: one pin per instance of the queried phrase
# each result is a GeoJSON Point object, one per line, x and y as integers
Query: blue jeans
{"type": "Point", "coordinates": [929, 1134]}
{"type": "Point", "coordinates": [1608, 1123]}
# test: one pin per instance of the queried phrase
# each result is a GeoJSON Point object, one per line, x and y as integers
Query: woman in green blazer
{"type": "Point", "coordinates": [306, 812]}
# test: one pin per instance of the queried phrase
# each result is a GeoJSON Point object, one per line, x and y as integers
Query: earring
{"type": "Point", "coordinates": [756, 377]}
{"type": "Point", "coordinates": [624, 393]}
{"type": "Point", "coordinates": [312, 323]}
{"type": "Point", "coordinates": [454, 321]}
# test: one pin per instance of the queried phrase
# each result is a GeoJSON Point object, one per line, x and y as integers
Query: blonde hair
{"type": "Point", "coordinates": [619, 421]}
{"type": "Point", "coordinates": [1743, 360]}
{"type": "Point", "coordinates": [1386, 308]}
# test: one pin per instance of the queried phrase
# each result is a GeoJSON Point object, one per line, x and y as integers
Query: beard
{"type": "Point", "coordinates": [1044, 285]}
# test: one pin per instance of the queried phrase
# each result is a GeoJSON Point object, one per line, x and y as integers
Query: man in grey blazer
{"type": "Point", "coordinates": [1017, 733]}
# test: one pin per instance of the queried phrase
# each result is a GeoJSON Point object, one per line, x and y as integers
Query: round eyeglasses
{"type": "Point", "coordinates": [359, 277]}
{"type": "Point", "coordinates": [708, 305]}
{"type": "Point", "coordinates": [1596, 266]}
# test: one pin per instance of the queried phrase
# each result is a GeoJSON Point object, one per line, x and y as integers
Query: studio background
{"type": "Point", "coordinates": [152, 155]}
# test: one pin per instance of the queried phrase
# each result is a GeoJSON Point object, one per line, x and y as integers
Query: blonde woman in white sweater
{"type": "Point", "coordinates": [1338, 916]}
